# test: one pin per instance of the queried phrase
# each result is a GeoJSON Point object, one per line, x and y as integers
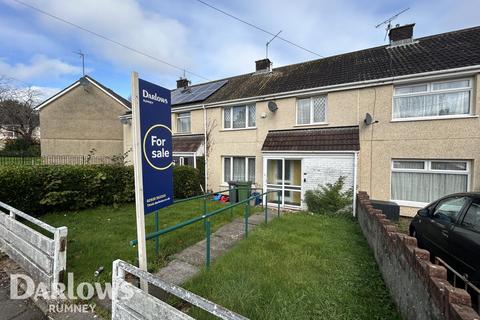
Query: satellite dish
{"type": "Point", "coordinates": [369, 119]}
{"type": "Point", "coordinates": [272, 106]}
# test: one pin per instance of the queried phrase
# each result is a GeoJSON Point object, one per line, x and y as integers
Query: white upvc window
{"type": "Point", "coordinates": [312, 110]}
{"type": "Point", "coordinates": [431, 100]}
{"type": "Point", "coordinates": [9, 132]}
{"type": "Point", "coordinates": [184, 121]}
{"type": "Point", "coordinates": [238, 169]}
{"type": "Point", "coordinates": [419, 182]}
{"type": "Point", "coordinates": [239, 117]}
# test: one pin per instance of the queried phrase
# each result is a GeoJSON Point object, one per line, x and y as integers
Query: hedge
{"type": "Point", "coordinates": [20, 148]}
{"type": "Point", "coordinates": [46, 188]}
{"type": "Point", "coordinates": [43, 188]}
{"type": "Point", "coordinates": [330, 198]}
{"type": "Point", "coordinates": [186, 182]}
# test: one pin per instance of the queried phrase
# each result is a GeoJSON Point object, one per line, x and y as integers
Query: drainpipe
{"type": "Point", "coordinates": [205, 146]}
{"type": "Point", "coordinates": [355, 165]}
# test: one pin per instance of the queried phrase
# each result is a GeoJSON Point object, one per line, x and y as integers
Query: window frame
{"type": "Point", "coordinates": [460, 213]}
{"type": "Point", "coordinates": [428, 169]}
{"type": "Point", "coordinates": [183, 117]}
{"type": "Point", "coordinates": [473, 201]}
{"type": "Point", "coordinates": [231, 167]}
{"type": "Point", "coordinates": [247, 116]}
{"type": "Point", "coordinates": [311, 122]}
{"type": "Point", "coordinates": [429, 91]}
{"type": "Point", "coordinates": [9, 132]}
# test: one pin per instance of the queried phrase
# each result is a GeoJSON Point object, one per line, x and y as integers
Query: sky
{"type": "Point", "coordinates": [38, 51]}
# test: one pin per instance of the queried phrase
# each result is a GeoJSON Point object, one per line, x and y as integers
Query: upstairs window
{"type": "Point", "coordinates": [433, 99]}
{"type": "Point", "coordinates": [312, 110]}
{"type": "Point", "coordinates": [239, 117]}
{"type": "Point", "coordinates": [183, 122]}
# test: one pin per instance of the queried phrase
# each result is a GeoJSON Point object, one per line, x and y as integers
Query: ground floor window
{"type": "Point", "coordinates": [239, 169]}
{"type": "Point", "coordinates": [423, 181]}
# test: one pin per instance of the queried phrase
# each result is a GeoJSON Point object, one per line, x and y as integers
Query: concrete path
{"type": "Point", "coordinates": [14, 309]}
{"type": "Point", "coordinates": [188, 263]}
{"type": "Point", "coordinates": [26, 309]}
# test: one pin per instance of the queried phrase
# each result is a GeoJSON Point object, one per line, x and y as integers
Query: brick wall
{"type": "Point", "coordinates": [327, 169]}
{"type": "Point", "coordinates": [418, 287]}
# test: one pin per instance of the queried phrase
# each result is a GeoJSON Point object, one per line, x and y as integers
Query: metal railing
{"type": "Point", "coordinates": [473, 290]}
{"type": "Point", "coordinates": [58, 160]}
{"type": "Point", "coordinates": [207, 215]}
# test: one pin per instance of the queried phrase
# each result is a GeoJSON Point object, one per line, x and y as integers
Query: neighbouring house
{"type": "Point", "coordinates": [8, 133]}
{"type": "Point", "coordinates": [186, 147]}
{"type": "Point", "coordinates": [82, 119]}
{"type": "Point", "coordinates": [399, 121]}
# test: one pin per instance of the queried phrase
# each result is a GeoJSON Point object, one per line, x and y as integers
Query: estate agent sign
{"type": "Point", "coordinates": [156, 137]}
{"type": "Point", "coordinates": [152, 148]}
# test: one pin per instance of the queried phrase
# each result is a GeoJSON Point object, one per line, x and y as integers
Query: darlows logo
{"type": "Point", "coordinates": [154, 96]}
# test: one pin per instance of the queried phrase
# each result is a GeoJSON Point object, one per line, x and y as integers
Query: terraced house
{"type": "Point", "coordinates": [399, 121]}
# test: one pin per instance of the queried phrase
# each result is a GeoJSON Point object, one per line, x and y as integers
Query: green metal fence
{"type": "Point", "coordinates": [205, 217]}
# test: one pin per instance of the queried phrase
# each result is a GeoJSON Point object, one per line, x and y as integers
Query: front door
{"type": "Point", "coordinates": [284, 175]}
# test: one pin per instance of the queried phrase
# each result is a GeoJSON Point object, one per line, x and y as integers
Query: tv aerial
{"type": "Point", "coordinates": [268, 43]}
{"type": "Point", "coordinates": [82, 56]}
{"type": "Point", "coordinates": [388, 22]}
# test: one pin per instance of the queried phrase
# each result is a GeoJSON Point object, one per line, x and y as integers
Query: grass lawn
{"type": "Point", "coordinates": [98, 236]}
{"type": "Point", "coordinates": [403, 224]}
{"type": "Point", "coordinates": [299, 267]}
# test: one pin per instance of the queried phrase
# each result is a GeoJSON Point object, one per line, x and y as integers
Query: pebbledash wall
{"type": "Point", "coordinates": [82, 120]}
{"type": "Point", "coordinates": [419, 288]}
{"type": "Point", "coordinates": [442, 139]}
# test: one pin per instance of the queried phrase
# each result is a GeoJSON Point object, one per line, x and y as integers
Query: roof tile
{"type": "Point", "coordinates": [438, 52]}
{"type": "Point", "coordinates": [314, 139]}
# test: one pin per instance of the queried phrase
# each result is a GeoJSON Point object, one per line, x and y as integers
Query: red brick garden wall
{"type": "Point", "coordinates": [419, 288]}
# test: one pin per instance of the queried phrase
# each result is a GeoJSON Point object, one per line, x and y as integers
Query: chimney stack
{"type": "Point", "coordinates": [401, 34]}
{"type": "Point", "coordinates": [182, 83]}
{"type": "Point", "coordinates": [263, 65]}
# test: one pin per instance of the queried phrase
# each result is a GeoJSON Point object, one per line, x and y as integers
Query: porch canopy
{"type": "Point", "coordinates": [313, 139]}
{"type": "Point", "coordinates": [187, 143]}
{"type": "Point", "coordinates": [298, 160]}
{"type": "Point", "coordinates": [186, 149]}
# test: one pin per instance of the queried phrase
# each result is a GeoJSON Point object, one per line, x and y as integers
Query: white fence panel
{"type": "Point", "coordinates": [129, 302]}
{"type": "Point", "coordinates": [44, 258]}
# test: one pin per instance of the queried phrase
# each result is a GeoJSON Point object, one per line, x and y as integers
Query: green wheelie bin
{"type": "Point", "coordinates": [244, 190]}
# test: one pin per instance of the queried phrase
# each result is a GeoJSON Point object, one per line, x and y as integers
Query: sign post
{"type": "Point", "coordinates": [152, 149]}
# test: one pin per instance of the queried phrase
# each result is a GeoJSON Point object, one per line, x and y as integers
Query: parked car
{"type": "Point", "coordinates": [450, 229]}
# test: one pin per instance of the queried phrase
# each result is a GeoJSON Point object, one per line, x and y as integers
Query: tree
{"type": "Point", "coordinates": [17, 113]}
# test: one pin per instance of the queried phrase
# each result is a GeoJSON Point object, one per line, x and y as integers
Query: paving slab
{"type": "Point", "coordinates": [14, 309]}
{"type": "Point", "coordinates": [177, 272]}
{"type": "Point", "coordinates": [27, 309]}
